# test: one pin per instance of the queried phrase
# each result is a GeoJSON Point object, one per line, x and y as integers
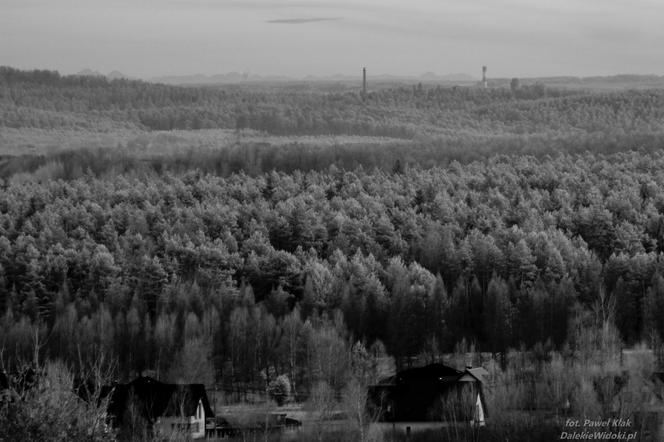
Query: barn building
{"type": "Point", "coordinates": [166, 409]}
{"type": "Point", "coordinates": [434, 393]}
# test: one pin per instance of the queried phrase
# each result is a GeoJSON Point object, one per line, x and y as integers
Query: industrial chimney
{"type": "Point", "coordinates": [484, 82]}
{"type": "Point", "coordinates": [364, 81]}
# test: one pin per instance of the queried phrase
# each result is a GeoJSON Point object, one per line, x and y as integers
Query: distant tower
{"type": "Point", "coordinates": [484, 82]}
{"type": "Point", "coordinates": [364, 81]}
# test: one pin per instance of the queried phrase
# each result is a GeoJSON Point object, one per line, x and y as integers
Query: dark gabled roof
{"type": "Point", "coordinates": [478, 373]}
{"type": "Point", "coordinates": [428, 373]}
{"type": "Point", "coordinates": [438, 373]}
{"type": "Point", "coordinates": [153, 399]}
{"type": "Point", "coordinates": [412, 394]}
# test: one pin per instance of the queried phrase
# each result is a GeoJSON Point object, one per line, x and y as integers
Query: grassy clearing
{"type": "Point", "coordinates": [32, 141]}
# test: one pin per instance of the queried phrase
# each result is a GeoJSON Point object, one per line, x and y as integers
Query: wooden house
{"type": "Point", "coordinates": [434, 393]}
{"type": "Point", "coordinates": [166, 409]}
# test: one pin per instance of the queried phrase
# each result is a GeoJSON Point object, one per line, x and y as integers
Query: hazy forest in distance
{"type": "Point", "coordinates": [234, 236]}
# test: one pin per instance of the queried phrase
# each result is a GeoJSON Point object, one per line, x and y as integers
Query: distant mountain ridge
{"type": "Point", "coordinates": [230, 77]}
{"type": "Point", "coordinates": [237, 77]}
{"type": "Point", "coordinates": [607, 82]}
{"type": "Point", "coordinates": [113, 75]}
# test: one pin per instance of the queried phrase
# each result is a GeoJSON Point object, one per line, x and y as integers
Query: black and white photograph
{"type": "Point", "coordinates": [331, 220]}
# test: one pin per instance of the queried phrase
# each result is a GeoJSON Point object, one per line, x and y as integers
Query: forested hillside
{"type": "Point", "coordinates": [45, 99]}
{"type": "Point", "coordinates": [271, 273]}
{"type": "Point", "coordinates": [285, 231]}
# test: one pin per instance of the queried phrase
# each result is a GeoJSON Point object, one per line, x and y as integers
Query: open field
{"type": "Point", "coordinates": [33, 141]}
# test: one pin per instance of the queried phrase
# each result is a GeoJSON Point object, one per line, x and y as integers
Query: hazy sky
{"type": "Point", "coordinates": [409, 37]}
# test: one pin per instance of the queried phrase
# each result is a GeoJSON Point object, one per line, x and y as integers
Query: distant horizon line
{"type": "Point", "coordinates": [254, 76]}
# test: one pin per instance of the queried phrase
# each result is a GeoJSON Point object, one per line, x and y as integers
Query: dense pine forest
{"type": "Point", "coordinates": [508, 218]}
{"type": "Point", "coordinates": [499, 253]}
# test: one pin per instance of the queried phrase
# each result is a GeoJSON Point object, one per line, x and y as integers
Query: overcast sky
{"type": "Point", "coordinates": [514, 38]}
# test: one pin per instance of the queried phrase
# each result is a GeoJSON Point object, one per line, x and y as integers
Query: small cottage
{"type": "Point", "coordinates": [434, 393]}
{"type": "Point", "coordinates": [165, 408]}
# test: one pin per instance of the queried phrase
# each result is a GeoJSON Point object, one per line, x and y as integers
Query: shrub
{"type": "Point", "coordinates": [279, 389]}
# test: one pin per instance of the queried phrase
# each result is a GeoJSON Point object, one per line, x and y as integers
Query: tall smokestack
{"type": "Point", "coordinates": [364, 81]}
{"type": "Point", "coordinates": [484, 82]}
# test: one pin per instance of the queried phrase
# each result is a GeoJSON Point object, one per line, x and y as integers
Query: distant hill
{"type": "Point", "coordinates": [607, 83]}
{"type": "Point", "coordinates": [113, 75]}
{"type": "Point", "coordinates": [116, 75]}
{"type": "Point", "coordinates": [90, 73]}
{"type": "Point", "coordinates": [228, 78]}
{"type": "Point", "coordinates": [460, 77]}
{"type": "Point", "coordinates": [237, 77]}
{"type": "Point", "coordinates": [566, 117]}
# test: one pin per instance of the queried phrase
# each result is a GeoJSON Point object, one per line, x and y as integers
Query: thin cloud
{"type": "Point", "coordinates": [299, 21]}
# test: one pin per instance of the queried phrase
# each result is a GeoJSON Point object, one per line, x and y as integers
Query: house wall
{"type": "Point", "coordinates": [478, 419]}
{"type": "Point", "coordinates": [198, 421]}
{"type": "Point", "coordinates": [194, 425]}
{"type": "Point", "coordinates": [165, 427]}
{"type": "Point", "coordinates": [429, 402]}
